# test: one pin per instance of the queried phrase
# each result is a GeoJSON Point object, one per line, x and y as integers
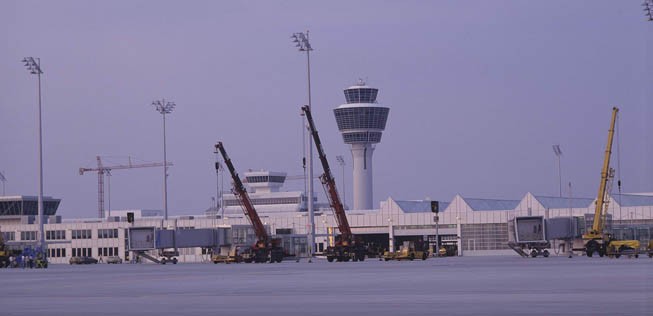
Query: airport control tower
{"type": "Point", "coordinates": [361, 121]}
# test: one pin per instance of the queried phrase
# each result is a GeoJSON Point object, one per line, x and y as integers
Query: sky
{"type": "Point", "coordinates": [478, 91]}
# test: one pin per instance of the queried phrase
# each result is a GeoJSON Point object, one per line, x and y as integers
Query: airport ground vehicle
{"type": "Point", "coordinates": [346, 246]}
{"type": "Point", "coordinates": [266, 248]}
{"type": "Point", "coordinates": [82, 260]}
{"type": "Point", "coordinates": [409, 250]}
{"type": "Point", "coordinates": [650, 249]}
{"type": "Point", "coordinates": [114, 260]}
{"type": "Point", "coordinates": [597, 239]}
{"type": "Point", "coordinates": [233, 254]}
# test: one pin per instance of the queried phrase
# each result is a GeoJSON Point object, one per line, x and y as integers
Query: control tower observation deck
{"type": "Point", "coordinates": [361, 121]}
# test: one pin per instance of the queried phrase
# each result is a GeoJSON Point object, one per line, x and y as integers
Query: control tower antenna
{"type": "Point", "coordinates": [361, 122]}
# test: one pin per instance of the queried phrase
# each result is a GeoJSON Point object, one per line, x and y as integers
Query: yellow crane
{"type": "Point", "coordinates": [597, 239]}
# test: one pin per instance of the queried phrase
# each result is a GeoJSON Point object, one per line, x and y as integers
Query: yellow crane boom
{"type": "Point", "coordinates": [598, 225]}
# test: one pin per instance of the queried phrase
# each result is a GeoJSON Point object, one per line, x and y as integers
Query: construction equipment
{"type": "Point", "coordinates": [233, 254]}
{"type": "Point", "coordinates": [102, 170]}
{"type": "Point", "coordinates": [408, 251]}
{"type": "Point", "coordinates": [597, 239]}
{"type": "Point", "coordinates": [266, 248]}
{"type": "Point", "coordinates": [346, 247]}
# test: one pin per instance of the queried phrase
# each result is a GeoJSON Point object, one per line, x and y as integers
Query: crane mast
{"type": "Point", "coordinates": [102, 170]}
{"type": "Point", "coordinates": [328, 181]}
{"type": "Point", "coordinates": [598, 224]}
{"type": "Point", "coordinates": [597, 239]}
{"type": "Point", "coordinates": [243, 197]}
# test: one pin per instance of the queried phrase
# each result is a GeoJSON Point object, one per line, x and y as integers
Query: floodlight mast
{"type": "Point", "coordinates": [164, 108]}
{"type": "Point", "coordinates": [34, 67]}
{"type": "Point", "coordinates": [648, 7]}
{"type": "Point", "coordinates": [4, 180]}
{"type": "Point", "coordinates": [558, 153]}
{"type": "Point", "coordinates": [302, 43]}
{"type": "Point", "coordinates": [341, 162]}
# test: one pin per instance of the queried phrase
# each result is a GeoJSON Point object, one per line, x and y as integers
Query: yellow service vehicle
{"type": "Point", "coordinates": [650, 249]}
{"type": "Point", "coordinates": [407, 251]}
{"type": "Point", "coordinates": [233, 254]}
{"type": "Point", "coordinates": [629, 248]}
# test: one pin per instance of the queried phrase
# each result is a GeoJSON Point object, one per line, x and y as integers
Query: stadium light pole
{"type": "Point", "coordinates": [164, 108]}
{"type": "Point", "coordinates": [558, 153]}
{"type": "Point", "coordinates": [302, 43]}
{"type": "Point", "coordinates": [341, 162]}
{"type": "Point", "coordinates": [34, 67]}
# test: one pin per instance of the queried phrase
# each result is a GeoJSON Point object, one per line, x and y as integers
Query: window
{"type": "Point", "coordinates": [28, 235]}
{"type": "Point", "coordinates": [81, 234]}
{"type": "Point", "coordinates": [361, 118]}
{"type": "Point", "coordinates": [266, 201]}
{"type": "Point", "coordinates": [55, 234]}
{"type": "Point", "coordinates": [9, 235]}
{"type": "Point", "coordinates": [107, 233]}
{"type": "Point", "coordinates": [361, 95]}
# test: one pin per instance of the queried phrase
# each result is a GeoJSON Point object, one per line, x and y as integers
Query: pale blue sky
{"type": "Point", "coordinates": [479, 91]}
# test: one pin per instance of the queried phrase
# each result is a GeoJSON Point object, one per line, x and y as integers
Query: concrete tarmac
{"type": "Point", "coordinates": [444, 286]}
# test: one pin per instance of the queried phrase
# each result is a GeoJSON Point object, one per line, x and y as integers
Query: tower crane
{"type": "Point", "coordinates": [102, 170]}
{"type": "Point", "coordinates": [266, 248]}
{"type": "Point", "coordinates": [346, 247]}
{"type": "Point", "coordinates": [597, 239]}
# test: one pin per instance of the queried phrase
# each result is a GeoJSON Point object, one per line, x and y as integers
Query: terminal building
{"type": "Point", "coordinates": [466, 226]}
{"type": "Point", "coordinates": [470, 226]}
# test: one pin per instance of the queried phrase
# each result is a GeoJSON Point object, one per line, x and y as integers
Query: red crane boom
{"type": "Point", "coordinates": [243, 197]}
{"type": "Point", "coordinates": [329, 182]}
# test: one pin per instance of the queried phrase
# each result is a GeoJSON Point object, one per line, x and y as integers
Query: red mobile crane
{"type": "Point", "coordinates": [266, 248]}
{"type": "Point", "coordinates": [346, 247]}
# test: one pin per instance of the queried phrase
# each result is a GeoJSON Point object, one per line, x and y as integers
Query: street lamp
{"type": "Point", "coordinates": [558, 152]}
{"type": "Point", "coordinates": [164, 108]}
{"type": "Point", "coordinates": [34, 67]}
{"type": "Point", "coordinates": [302, 43]}
{"type": "Point", "coordinates": [341, 162]}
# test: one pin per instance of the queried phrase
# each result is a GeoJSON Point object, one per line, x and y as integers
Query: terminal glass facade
{"type": "Point", "coordinates": [489, 236]}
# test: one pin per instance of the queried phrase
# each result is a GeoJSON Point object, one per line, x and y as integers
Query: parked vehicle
{"type": "Point", "coordinates": [83, 260]}
{"type": "Point", "coordinates": [233, 254]}
{"type": "Point", "coordinates": [408, 251]}
{"type": "Point", "coordinates": [114, 260]}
